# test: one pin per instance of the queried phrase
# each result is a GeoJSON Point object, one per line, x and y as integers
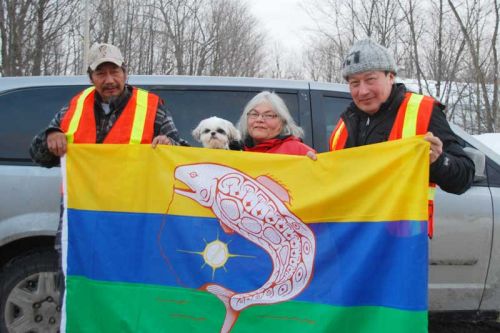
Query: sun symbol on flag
{"type": "Point", "coordinates": [216, 254]}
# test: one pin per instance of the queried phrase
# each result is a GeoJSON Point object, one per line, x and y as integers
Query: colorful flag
{"type": "Point", "coordinates": [181, 239]}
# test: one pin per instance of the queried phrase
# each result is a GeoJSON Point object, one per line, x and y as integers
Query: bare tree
{"type": "Point", "coordinates": [324, 61]}
{"type": "Point", "coordinates": [28, 31]}
{"type": "Point", "coordinates": [178, 17]}
{"type": "Point", "coordinates": [347, 22]}
{"type": "Point", "coordinates": [239, 44]}
{"type": "Point", "coordinates": [15, 19]}
{"type": "Point", "coordinates": [52, 18]}
{"type": "Point", "coordinates": [448, 47]}
{"type": "Point", "coordinates": [375, 18]}
{"type": "Point", "coordinates": [410, 12]}
{"type": "Point", "coordinates": [445, 54]}
{"type": "Point", "coordinates": [483, 55]}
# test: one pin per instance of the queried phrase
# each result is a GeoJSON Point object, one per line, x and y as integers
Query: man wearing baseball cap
{"type": "Point", "coordinates": [384, 110]}
{"type": "Point", "coordinates": [110, 111]}
{"type": "Point", "coordinates": [106, 112]}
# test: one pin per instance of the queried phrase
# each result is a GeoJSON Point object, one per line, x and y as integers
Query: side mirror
{"type": "Point", "coordinates": [479, 160]}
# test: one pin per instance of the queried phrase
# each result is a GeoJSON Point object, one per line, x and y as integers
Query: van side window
{"type": "Point", "coordinates": [493, 173]}
{"type": "Point", "coordinates": [327, 107]}
{"type": "Point", "coordinates": [25, 112]}
{"type": "Point", "coordinates": [189, 107]}
{"type": "Point", "coordinates": [333, 107]}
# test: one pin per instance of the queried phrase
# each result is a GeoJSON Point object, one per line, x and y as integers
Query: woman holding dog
{"type": "Point", "coordinates": [266, 126]}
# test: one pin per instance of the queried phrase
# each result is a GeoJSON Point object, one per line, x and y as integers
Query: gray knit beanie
{"type": "Point", "coordinates": [366, 55]}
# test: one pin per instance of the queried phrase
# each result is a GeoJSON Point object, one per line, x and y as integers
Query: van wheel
{"type": "Point", "coordinates": [30, 295]}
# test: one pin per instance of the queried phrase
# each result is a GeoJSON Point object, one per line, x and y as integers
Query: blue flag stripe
{"type": "Point", "coordinates": [356, 264]}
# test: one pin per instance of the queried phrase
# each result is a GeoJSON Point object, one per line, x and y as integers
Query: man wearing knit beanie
{"type": "Point", "coordinates": [384, 110]}
{"type": "Point", "coordinates": [366, 55]}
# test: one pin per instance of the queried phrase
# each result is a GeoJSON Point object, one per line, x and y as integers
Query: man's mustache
{"type": "Point", "coordinates": [110, 86]}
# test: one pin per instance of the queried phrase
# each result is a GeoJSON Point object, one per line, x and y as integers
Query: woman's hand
{"type": "Point", "coordinates": [312, 155]}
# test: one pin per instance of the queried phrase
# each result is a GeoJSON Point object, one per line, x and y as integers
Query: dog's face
{"type": "Point", "coordinates": [216, 133]}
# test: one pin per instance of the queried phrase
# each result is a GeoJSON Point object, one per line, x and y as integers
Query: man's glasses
{"type": "Point", "coordinates": [265, 116]}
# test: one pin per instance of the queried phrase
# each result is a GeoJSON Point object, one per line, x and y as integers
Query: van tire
{"type": "Point", "coordinates": [30, 293]}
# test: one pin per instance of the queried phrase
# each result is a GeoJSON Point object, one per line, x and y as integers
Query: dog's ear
{"type": "Point", "coordinates": [196, 133]}
{"type": "Point", "coordinates": [233, 133]}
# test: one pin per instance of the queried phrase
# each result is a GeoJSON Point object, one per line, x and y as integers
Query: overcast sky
{"type": "Point", "coordinates": [283, 20]}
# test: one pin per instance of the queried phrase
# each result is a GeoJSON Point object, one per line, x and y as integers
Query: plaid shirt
{"type": "Point", "coordinates": [163, 125]}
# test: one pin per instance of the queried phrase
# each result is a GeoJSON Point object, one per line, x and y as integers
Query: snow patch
{"type": "Point", "coordinates": [492, 140]}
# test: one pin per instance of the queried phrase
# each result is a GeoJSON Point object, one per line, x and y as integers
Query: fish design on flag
{"type": "Point", "coordinates": [254, 208]}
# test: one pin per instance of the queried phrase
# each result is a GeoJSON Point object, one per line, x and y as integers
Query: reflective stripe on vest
{"type": "Point", "coordinates": [135, 124]}
{"type": "Point", "coordinates": [413, 118]}
{"type": "Point", "coordinates": [410, 122]}
{"type": "Point", "coordinates": [139, 116]}
{"type": "Point", "coordinates": [339, 136]}
{"type": "Point", "coordinates": [77, 114]}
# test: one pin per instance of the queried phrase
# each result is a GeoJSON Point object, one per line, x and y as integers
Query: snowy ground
{"type": "Point", "coordinates": [492, 140]}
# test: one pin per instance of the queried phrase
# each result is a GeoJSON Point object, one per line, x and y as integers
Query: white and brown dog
{"type": "Point", "coordinates": [216, 133]}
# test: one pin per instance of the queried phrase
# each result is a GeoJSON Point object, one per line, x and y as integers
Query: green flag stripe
{"type": "Point", "coordinates": [95, 306]}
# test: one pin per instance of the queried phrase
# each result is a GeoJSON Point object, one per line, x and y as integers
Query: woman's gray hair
{"type": "Point", "coordinates": [289, 126]}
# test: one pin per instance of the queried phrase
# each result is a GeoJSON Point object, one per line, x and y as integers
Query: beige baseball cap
{"type": "Point", "coordinates": [100, 53]}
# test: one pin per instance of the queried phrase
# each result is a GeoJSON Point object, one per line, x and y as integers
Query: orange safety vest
{"type": "Point", "coordinates": [135, 124]}
{"type": "Point", "coordinates": [413, 118]}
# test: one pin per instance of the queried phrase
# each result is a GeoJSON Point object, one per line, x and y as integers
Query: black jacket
{"type": "Point", "coordinates": [453, 171]}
